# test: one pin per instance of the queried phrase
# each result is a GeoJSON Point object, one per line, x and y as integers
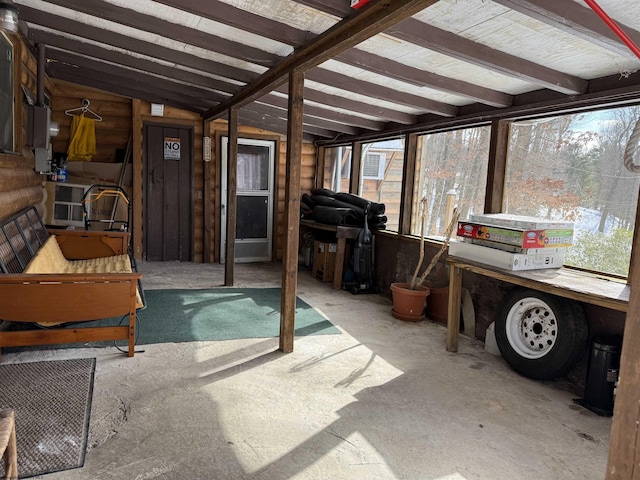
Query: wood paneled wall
{"type": "Point", "coordinates": [20, 186]}
{"type": "Point", "coordinates": [112, 133]}
{"type": "Point", "coordinates": [217, 130]}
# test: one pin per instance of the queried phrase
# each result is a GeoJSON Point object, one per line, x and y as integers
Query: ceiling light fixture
{"type": "Point", "coordinates": [8, 16]}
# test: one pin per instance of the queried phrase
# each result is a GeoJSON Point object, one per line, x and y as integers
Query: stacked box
{"type": "Point", "coordinates": [324, 257]}
{"type": "Point", "coordinates": [513, 242]}
{"type": "Point", "coordinates": [513, 249]}
{"type": "Point", "coordinates": [519, 221]}
{"type": "Point", "coordinates": [507, 260]}
{"type": "Point", "coordinates": [518, 237]}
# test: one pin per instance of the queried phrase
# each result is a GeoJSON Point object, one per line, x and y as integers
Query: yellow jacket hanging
{"type": "Point", "coordinates": [82, 142]}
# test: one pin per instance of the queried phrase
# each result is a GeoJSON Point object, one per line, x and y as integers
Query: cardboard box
{"type": "Point", "coordinates": [519, 221]}
{"type": "Point", "coordinates": [522, 238]}
{"type": "Point", "coordinates": [324, 258]}
{"type": "Point", "coordinates": [514, 249]}
{"type": "Point", "coordinates": [506, 260]}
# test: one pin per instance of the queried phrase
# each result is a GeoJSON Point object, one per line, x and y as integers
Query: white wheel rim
{"type": "Point", "coordinates": [531, 328]}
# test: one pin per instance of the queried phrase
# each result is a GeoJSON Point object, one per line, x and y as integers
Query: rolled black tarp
{"type": "Point", "coordinates": [336, 216]}
{"type": "Point", "coordinates": [323, 191]}
{"type": "Point", "coordinates": [332, 202]}
{"type": "Point", "coordinates": [308, 201]}
{"type": "Point", "coordinates": [377, 219]}
{"type": "Point", "coordinates": [375, 209]}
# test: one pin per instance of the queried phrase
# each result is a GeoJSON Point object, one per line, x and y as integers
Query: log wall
{"type": "Point", "coordinates": [20, 186]}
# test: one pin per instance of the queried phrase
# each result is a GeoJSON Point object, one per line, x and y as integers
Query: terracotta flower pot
{"type": "Point", "coordinates": [438, 304]}
{"type": "Point", "coordinates": [408, 304]}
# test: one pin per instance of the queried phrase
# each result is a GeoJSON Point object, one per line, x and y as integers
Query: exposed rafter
{"type": "Point", "coordinates": [421, 78]}
{"type": "Point", "coordinates": [95, 34]}
{"type": "Point", "coordinates": [151, 24]}
{"type": "Point", "coordinates": [575, 19]}
{"type": "Point", "coordinates": [380, 92]}
{"type": "Point", "coordinates": [455, 46]}
{"type": "Point", "coordinates": [375, 18]}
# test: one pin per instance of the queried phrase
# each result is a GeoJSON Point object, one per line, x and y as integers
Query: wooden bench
{"type": "Point", "coordinates": [78, 292]}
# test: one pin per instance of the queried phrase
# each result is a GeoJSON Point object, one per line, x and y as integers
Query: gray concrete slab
{"type": "Point", "coordinates": [381, 400]}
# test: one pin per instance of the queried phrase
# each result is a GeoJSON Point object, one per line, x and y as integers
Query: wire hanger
{"type": "Point", "coordinates": [85, 109]}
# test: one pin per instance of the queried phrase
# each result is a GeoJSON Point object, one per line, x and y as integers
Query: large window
{"type": "Point", "coordinates": [572, 168]}
{"type": "Point", "coordinates": [6, 95]}
{"type": "Point", "coordinates": [337, 168]}
{"type": "Point", "coordinates": [381, 177]}
{"type": "Point", "coordinates": [450, 165]}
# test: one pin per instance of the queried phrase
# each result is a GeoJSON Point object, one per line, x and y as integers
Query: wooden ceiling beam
{"type": "Point", "coordinates": [120, 87]}
{"type": "Point", "coordinates": [371, 20]}
{"type": "Point", "coordinates": [174, 31]}
{"type": "Point", "coordinates": [56, 47]}
{"type": "Point", "coordinates": [422, 78]}
{"type": "Point", "coordinates": [148, 85]}
{"type": "Point", "coordinates": [307, 119]}
{"type": "Point", "coordinates": [344, 103]}
{"type": "Point", "coordinates": [456, 46]}
{"type": "Point", "coordinates": [244, 20]}
{"type": "Point", "coordinates": [577, 20]}
{"type": "Point", "coordinates": [268, 122]}
{"type": "Point", "coordinates": [347, 119]}
{"type": "Point", "coordinates": [54, 41]}
{"type": "Point", "coordinates": [80, 30]}
{"type": "Point", "coordinates": [265, 27]}
{"type": "Point", "coordinates": [368, 89]}
{"type": "Point", "coordinates": [338, 8]}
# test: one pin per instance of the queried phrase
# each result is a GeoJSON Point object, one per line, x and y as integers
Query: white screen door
{"type": "Point", "coordinates": [254, 210]}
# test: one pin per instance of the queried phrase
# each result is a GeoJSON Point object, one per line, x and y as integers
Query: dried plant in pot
{"type": "Point", "coordinates": [409, 299]}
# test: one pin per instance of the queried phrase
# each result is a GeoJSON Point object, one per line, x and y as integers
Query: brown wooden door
{"type": "Point", "coordinates": [168, 193]}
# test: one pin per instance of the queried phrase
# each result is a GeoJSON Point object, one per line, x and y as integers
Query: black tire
{"type": "Point", "coordinates": [541, 336]}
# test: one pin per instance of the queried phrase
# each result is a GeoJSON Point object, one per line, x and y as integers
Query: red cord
{"type": "Point", "coordinates": [613, 26]}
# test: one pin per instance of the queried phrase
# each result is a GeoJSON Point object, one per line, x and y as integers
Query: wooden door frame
{"type": "Point", "coordinates": [145, 170]}
{"type": "Point", "coordinates": [217, 197]}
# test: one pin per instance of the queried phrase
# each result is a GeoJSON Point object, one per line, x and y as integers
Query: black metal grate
{"type": "Point", "coordinates": [20, 237]}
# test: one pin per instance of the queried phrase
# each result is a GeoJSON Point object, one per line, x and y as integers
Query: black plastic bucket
{"type": "Point", "coordinates": [602, 375]}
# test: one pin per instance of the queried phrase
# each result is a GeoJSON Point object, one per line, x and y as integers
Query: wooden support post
{"type": "Point", "coordinates": [292, 211]}
{"type": "Point", "coordinates": [408, 183]}
{"type": "Point", "coordinates": [320, 165]}
{"type": "Point", "coordinates": [497, 170]}
{"type": "Point", "coordinates": [624, 444]}
{"type": "Point", "coordinates": [232, 183]}
{"type": "Point", "coordinates": [356, 161]}
{"type": "Point", "coordinates": [137, 177]}
{"type": "Point", "coordinates": [453, 316]}
{"type": "Point", "coordinates": [206, 186]}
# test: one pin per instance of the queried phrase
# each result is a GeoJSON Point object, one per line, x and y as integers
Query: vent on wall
{"type": "Point", "coordinates": [373, 166]}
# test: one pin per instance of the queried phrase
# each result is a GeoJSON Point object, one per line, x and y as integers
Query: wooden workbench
{"type": "Point", "coordinates": [563, 282]}
{"type": "Point", "coordinates": [343, 233]}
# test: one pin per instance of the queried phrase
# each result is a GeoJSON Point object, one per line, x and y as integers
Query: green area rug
{"type": "Point", "coordinates": [174, 316]}
{"type": "Point", "coordinates": [220, 314]}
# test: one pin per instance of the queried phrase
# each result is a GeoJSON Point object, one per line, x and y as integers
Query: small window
{"type": "Point", "coordinates": [337, 168]}
{"type": "Point", "coordinates": [373, 166]}
{"type": "Point", "coordinates": [6, 95]}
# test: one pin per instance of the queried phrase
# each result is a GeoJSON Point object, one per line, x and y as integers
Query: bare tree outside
{"type": "Point", "coordinates": [450, 163]}
{"type": "Point", "coordinates": [571, 167]}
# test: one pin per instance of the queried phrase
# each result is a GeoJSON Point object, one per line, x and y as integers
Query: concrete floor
{"type": "Point", "coordinates": [382, 400]}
